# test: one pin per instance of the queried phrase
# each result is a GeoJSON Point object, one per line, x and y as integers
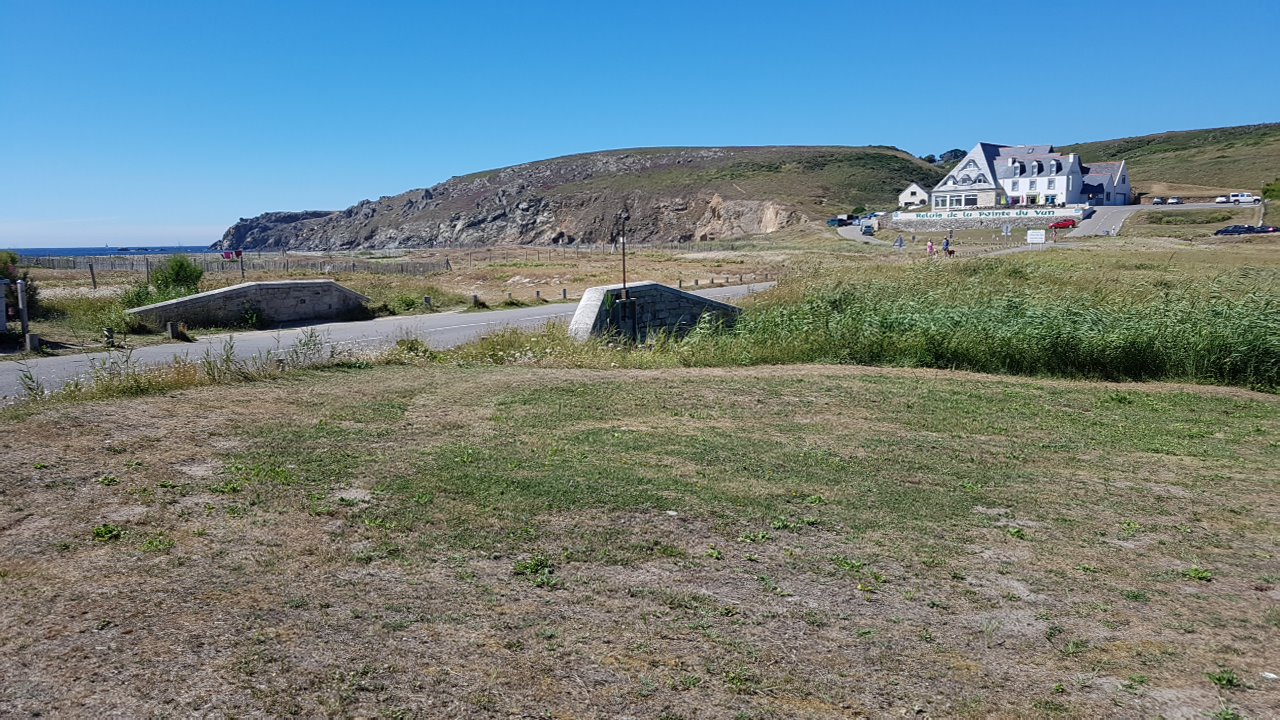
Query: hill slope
{"type": "Point", "coordinates": [1206, 162]}
{"type": "Point", "coordinates": [669, 193]}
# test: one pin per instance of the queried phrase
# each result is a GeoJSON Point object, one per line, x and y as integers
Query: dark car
{"type": "Point", "coordinates": [1064, 224]}
{"type": "Point", "coordinates": [1237, 230]}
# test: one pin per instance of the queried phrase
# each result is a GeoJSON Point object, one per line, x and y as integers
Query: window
{"type": "Point", "coordinates": [1053, 184]}
{"type": "Point", "coordinates": [1032, 185]}
{"type": "Point", "coordinates": [1014, 186]}
{"type": "Point", "coordinates": [913, 193]}
{"type": "Point", "coordinates": [1050, 199]}
{"type": "Point", "coordinates": [971, 201]}
{"type": "Point", "coordinates": [1108, 196]}
{"type": "Point", "coordinates": [1122, 180]}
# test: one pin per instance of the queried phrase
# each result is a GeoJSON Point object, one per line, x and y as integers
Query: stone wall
{"type": "Point", "coordinates": [960, 224]}
{"type": "Point", "coordinates": [655, 308]}
{"type": "Point", "coordinates": [272, 303]}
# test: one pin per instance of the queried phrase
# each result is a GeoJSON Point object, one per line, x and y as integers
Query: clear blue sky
{"type": "Point", "coordinates": [162, 122]}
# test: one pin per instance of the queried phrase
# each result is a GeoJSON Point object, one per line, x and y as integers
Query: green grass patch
{"type": "Point", "coordinates": [1186, 217]}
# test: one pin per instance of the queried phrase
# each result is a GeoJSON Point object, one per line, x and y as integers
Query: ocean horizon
{"type": "Point", "coordinates": [101, 251]}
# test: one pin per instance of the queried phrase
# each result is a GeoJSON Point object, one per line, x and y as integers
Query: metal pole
{"type": "Point", "coordinates": [623, 238]}
{"type": "Point", "coordinates": [92, 277]}
{"type": "Point", "coordinates": [22, 306]}
{"type": "Point", "coordinates": [242, 266]}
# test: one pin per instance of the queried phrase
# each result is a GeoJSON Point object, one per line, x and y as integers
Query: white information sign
{"type": "Point", "coordinates": [1035, 237]}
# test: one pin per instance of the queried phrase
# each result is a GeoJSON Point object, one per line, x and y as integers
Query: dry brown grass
{"type": "Point", "coordinates": [364, 566]}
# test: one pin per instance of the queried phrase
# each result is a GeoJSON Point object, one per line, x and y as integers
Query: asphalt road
{"type": "Point", "coordinates": [1109, 218]}
{"type": "Point", "coordinates": [440, 331]}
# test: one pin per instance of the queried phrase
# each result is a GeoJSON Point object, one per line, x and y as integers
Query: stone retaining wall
{"type": "Point", "coordinates": [271, 303]}
{"type": "Point", "coordinates": [978, 223]}
{"type": "Point", "coordinates": [656, 308]}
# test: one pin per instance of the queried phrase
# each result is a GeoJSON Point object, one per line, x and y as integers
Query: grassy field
{"type": "Point", "coordinates": [1207, 162]}
{"type": "Point", "coordinates": [1106, 309]}
{"type": "Point", "coordinates": [802, 542]}
{"type": "Point", "coordinates": [1188, 224]}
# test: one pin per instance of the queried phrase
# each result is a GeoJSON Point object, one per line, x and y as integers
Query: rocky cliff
{"type": "Point", "coordinates": [677, 194]}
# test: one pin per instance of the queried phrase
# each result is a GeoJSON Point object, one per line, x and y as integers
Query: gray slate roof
{"type": "Point", "coordinates": [987, 153]}
{"type": "Point", "coordinates": [1100, 171]}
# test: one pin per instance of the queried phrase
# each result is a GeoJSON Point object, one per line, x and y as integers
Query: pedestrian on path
{"type": "Point", "coordinates": [929, 250]}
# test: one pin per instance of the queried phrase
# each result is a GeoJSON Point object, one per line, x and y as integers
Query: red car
{"type": "Point", "coordinates": [1064, 224]}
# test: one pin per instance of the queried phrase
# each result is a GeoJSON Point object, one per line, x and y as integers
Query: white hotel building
{"type": "Point", "coordinates": [1001, 176]}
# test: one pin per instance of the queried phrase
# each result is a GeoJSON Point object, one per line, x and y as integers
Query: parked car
{"type": "Point", "coordinates": [1063, 224]}
{"type": "Point", "coordinates": [1221, 199]}
{"type": "Point", "coordinates": [1175, 201]}
{"type": "Point", "coordinates": [868, 230]}
{"type": "Point", "coordinates": [1250, 198]}
{"type": "Point", "coordinates": [1157, 201]}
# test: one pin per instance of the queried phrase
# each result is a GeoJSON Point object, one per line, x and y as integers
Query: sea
{"type": "Point", "coordinates": [101, 251]}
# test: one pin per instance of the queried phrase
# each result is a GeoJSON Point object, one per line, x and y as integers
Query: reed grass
{"type": "Point", "coordinates": [998, 316]}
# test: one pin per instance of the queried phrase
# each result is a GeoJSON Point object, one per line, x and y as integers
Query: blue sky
{"type": "Point", "coordinates": [135, 122]}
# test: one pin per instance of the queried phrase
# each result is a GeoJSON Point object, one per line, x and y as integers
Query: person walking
{"type": "Point", "coordinates": [929, 249]}
{"type": "Point", "coordinates": [946, 246]}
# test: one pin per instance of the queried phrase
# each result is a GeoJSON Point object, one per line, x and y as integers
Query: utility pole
{"type": "Point", "coordinates": [626, 306]}
{"type": "Point", "coordinates": [622, 218]}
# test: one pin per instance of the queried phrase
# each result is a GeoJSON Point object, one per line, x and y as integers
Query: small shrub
{"type": "Point", "coordinates": [158, 543]}
{"type": "Point", "coordinates": [9, 271]}
{"type": "Point", "coordinates": [1225, 679]}
{"type": "Point", "coordinates": [177, 272]}
{"type": "Point", "coordinates": [107, 532]}
{"type": "Point", "coordinates": [1197, 573]}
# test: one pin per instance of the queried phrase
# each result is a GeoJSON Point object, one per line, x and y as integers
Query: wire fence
{"type": "Point", "coordinates": [444, 260]}
{"type": "Point", "coordinates": [269, 264]}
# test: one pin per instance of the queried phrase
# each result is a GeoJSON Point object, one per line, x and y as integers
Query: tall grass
{"type": "Point", "coordinates": [998, 316]}
{"type": "Point", "coordinates": [86, 316]}
{"type": "Point", "coordinates": [985, 317]}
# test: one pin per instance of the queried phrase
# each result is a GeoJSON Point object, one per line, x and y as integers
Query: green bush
{"type": "Point", "coordinates": [9, 271]}
{"type": "Point", "coordinates": [177, 272]}
{"type": "Point", "coordinates": [140, 295]}
{"type": "Point", "coordinates": [1271, 191]}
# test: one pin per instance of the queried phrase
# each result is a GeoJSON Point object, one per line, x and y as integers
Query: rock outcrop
{"type": "Point", "coordinates": [666, 194]}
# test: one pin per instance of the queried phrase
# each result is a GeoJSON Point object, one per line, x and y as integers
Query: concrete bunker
{"type": "Point", "coordinates": [276, 302]}
{"type": "Point", "coordinates": [653, 308]}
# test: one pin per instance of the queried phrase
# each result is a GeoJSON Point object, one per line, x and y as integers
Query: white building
{"type": "Point", "coordinates": [914, 195]}
{"type": "Point", "coordinates": [1029, 175]}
